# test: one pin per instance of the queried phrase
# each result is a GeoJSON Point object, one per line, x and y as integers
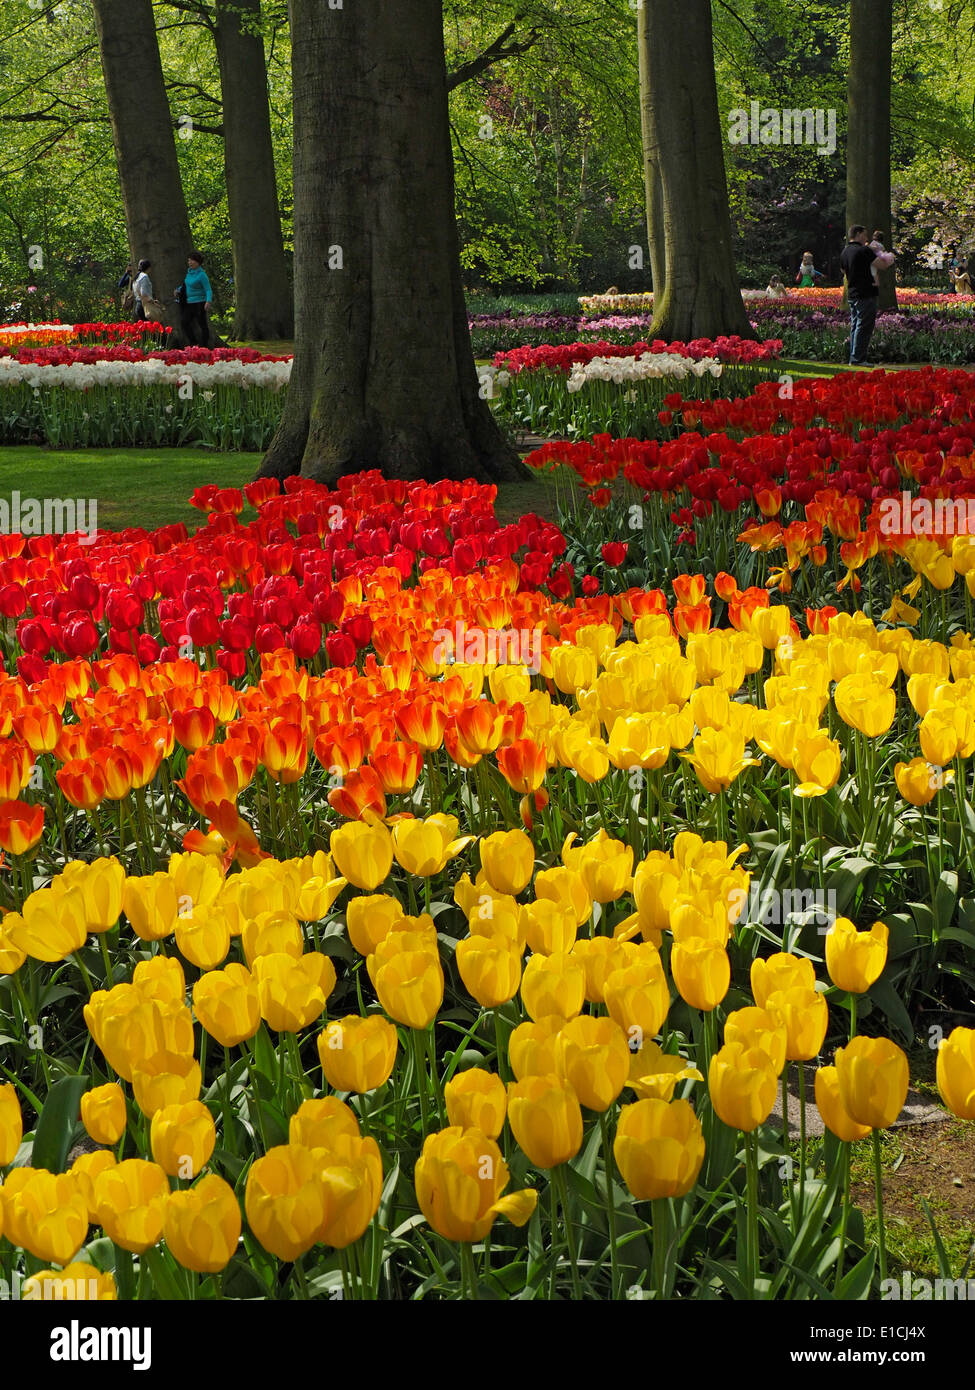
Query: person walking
{"type": "Point", "coordinates": [197, 301]}
{"type": "Point", "coordinates": [862, 290]}
{"type": "Point", "coordinates": [142, 292]}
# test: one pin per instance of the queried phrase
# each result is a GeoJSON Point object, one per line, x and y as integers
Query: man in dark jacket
{"type": "Point", "coordinates": [862, 291]}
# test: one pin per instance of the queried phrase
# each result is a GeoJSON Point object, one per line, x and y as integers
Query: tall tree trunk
{"type": "Point", "coordinates": [265, 306]}
{"type": "Point", "coordinates": [654, 192]}
{"type": "Point", "coordinates": [868, 126]}
{"type": "Point", "coordinates": [156, 219]}
{"type": "Point", "coordinates": [384, 373]}
{"type": "Point", "coordinates": [701, 297]}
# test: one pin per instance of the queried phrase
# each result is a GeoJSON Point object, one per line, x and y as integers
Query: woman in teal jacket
{"type": "Point", "coordinates": [199, 297]}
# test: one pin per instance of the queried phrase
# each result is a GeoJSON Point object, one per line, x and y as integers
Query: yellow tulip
{"type": "Point", "coordinates": [363, 853]}
{"type": "Point", "coordinates": [743, 1086]}
{"type": "Point", "coordinates": [317, 1124]}
{"type": "Point", "coordinates": [103, 1113]}
{"type": "Point", "coordinates": [76, 1282]}
{"type": "Point", "coordinates": [410, 987]}
{"type": "Point", "coordinates": [780, 971]}
{"type": "Point", "coordinates": [594, 1058]}
{"type": "Point", "coordinates": [804, 1015]}
{"type": "Point", "coordinates": [638, 999]}
{"type": "Point", "coordinates": [130, 1201]}
{"type": "Point", "coordinates": [293, 992]}
{"type": "Point", "coordinates": [369, 920]}
{"type": "Point", "coordinates": [351, 1175]}
{"type": "Point", "coordinates": [151, 904]}
{"type": "Point", "coordinates": [490, 967]}
{"type": "Point", "coordinates": [459, 1178]}
{"type": "Point", "coordinates": [508, 860]}
{"type": "Point", "coordinates": [285, 1201]}
{"type": "Point", "coordinates": [424, 847]}
{"type": "Point", "coordinates": [553, 985]}
{"type": "Point", "coordinates": [202, 1225]}
{"type": "Point", "coordinates": [701, 971]}
{"type": "Point", "coordinates": [358, 1054]}
{"type": "Point", "coordinates": [873, 1079]}
{"type": "Point", "coordinates": [476, 1099]}
{"type": "Point", "coordinates": [956, 1072]}
{"type": "Point", "coordinates": [545, 1119]}
{"type": "Point", "coordinates": [855, 959]}
{"type": "Point", "coordinates": [755, 1027]}
{"type": "Point", "coordinates": [11, 1124]}
{"type": "Point", "coordinates": [182, 1138]}
{"type": "Point", "coordinates": [228, 1005]}
{"type": "Point", "coordinates": [829, 1103]}
{"type": "Point", "coordinates": [654, 1074]}
{"type": "Point", "coordinates": [533, 1047]}
{"type": "Point", "coordinates": [659, 1148]}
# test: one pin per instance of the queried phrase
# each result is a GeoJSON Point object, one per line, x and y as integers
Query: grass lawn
{"type": "Point", "coordinates": [133, 487]}
{"type": "Point", "coordinates": [150, 487]}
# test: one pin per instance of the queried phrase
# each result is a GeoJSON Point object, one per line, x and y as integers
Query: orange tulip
{"type": "Point", "coordinates": [21, 826]}
{"type": "Point", "coordinates": [523, 765]}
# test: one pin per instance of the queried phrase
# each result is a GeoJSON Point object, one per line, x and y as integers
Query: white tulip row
{"type": "Point", "coordinates": [152, 371]}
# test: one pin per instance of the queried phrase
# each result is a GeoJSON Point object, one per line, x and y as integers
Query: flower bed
{"type": "Point", "coordinates": [370, 893]}
{"type": "Point", "coordinates": [575, 390]}
{"type": "Point", "coordinates": [97, 397]}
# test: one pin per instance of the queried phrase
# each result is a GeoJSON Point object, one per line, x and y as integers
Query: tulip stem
{"type": "Point", "coordinates": [879, 1190]}
{"type": "Point", "coordinates": [610, 1202]}
{"type": "Point", "coordinates": [468, 1275]}
{"type": "Point", "coordinates": [660, 1222]}
{"type": "Point", "coordinates": [419, 1066]}
{"type": "Point", "coordinates": [570, 1239]}
{"type": "Point", "coordinates": [802, 1138]}
{"type": "Point", "coordinates": [853, 1016]}
{"type": "Point", "coordinates": [109, 977]}
{"type": "Point", "coordinates": [431, 1047]}
{"type": "Point", "coordinates": [751, 1170]}
{"type": "Point", "coordinates": [229, 1138]}
{"type": "Point", "coordinates": [844, 1214]}
{"type": "Point", "coordinates": [84, 973]}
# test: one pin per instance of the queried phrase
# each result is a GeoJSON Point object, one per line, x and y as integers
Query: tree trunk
{"type": "Point", "coordinates": [651, 170]}
{"type": "Point", "coordinates": [156, 219]}
{"type": "Point", "coordinates": [701, 297]}
{"type": "Point", "coordinates": [868, 127]}
{"type": "Point", "coordinates": [265, 308]}
{"type": "Point", "coordinates": [384, 374]}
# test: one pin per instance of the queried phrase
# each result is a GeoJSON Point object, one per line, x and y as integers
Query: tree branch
{"type": "Point", "coordinates": [495, 52]}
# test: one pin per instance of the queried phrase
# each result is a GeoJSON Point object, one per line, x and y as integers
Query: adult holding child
{"type": "Point", "coordinates": [857, 261]}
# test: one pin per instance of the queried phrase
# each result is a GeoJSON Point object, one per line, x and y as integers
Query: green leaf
{"type": "Point", "coordinates": [856, 1284]}
{"type": "Point", "coordinates": [890, 1003]}
{"type": "Point", "coordinates": [56, 1126]}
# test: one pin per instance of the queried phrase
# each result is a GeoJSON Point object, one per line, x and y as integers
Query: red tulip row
{"type": "Point", "coordinates": [562, 358]}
